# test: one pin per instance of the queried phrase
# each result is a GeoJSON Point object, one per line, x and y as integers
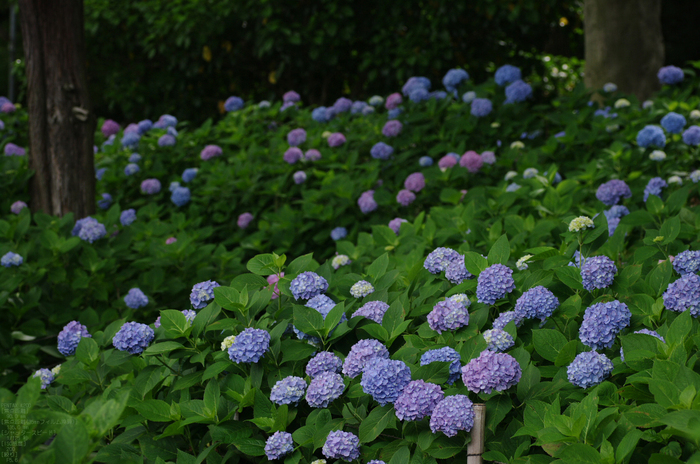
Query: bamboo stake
{"type": "Point", "coordinates": [475, 448]}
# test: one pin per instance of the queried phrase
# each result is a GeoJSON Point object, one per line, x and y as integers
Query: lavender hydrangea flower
{"type": "Point", "coordinates": [46, 377]}
{"type": "Point", "coordinates": [131, 169]}
{"type": "Point", "coordinates": [324, 361]}
{"type": "Point", "coordinates": [189, 174]}
{"type": "Point", "coordinates": [341, 445]}
{"type": "Point", "coordinates": [651, 136]}
{"type": "Point", "coordinates": [684, 294]}
{"type": "Point", "coordinates": [336, 139]}
{"type": "Point", "coordinates": [617, 211]}
{"type": "Point", "coordinates": [324, 388]}
{"type": "Point", "coordinates": [342, 105]}
{"type": "Point", "coordinates": [504, 318]}
{"type": "Point", "coordinates": [360, 353]}
{"type": "Point", "coordinates": [491, 371]}
{"type": "Point", "coordinates": [202, 293]}
{"type": "Point", "coordinates": [472, 161]}
{"type": "Point", "coordinates": [133, 338]}
{"type": "Point", "coordinates": [14, 150]}
{"type": "Point", "coordinates": [366, 202]}
{"type": "Point", "coordinates": [415, 182]}
{"type": "Point", "coordinates": [395, 224]}
{"type": "Point", "coordinates": [244, 220]}
{"type": "Point", "coordinates": [598, 272]}
{"type": "Point", "coordinates": [359, 107]}
{"type": "Point", "coordinates": [10, 259]}
{"type": "Point", "coordinates": [446, 162]}
{"type": "Point", "coordinates": [70, 336]}
{"type": "Point", "coordinates": [291, 97]}
{"type": "Point", "coordinates": [405, 197]}
{"type": "Point", "coordinates": [144, 126]}
{"type": "Point", "coordinates": [481, 107]}
{"type": "Point", "coordinates": [165, 121]}
{"type": "Point", "coordinates": [507, 74]}
{"type": "Point", "coordinates": [494, 283]}
{"type": "Point", "coordinates": [498, 340]}
{"type": "Point", "coordinates": [654, 187]}
{"type": "Point", "coordinates": [611, 192]}
{"type": "Point", "coordinates": [210, 151]}
{"type": "Point", "coordinates": [392, 128]}
{"type": "Point", "coordinates": [673, 122]}
{"type": "Point", "coordinates": [518, 91]}
{"type": "Point", "coordinates": [670, 75]}
{"type": "Point", "coordinates": [110, 127]}
{"type": "Point", "coordinates": [249, 346]}
{"type": "Point", "coordinates": [448, 315]}
{"type": "Point", "coordinates": [150, 186]}
{"type": "Point", "coordinates": [385, 379]}
{"type": "Point", "coordinates": [307, 285]}
{"type": "Point", "coordinates": [456, 271]}
{"type": "Point", "coordinates": [381, 151]}
{"type": "Point", "coordinates": [135, 298]}
{"type": "Point", "coordinates": [279, 444]}
{"type": "Point", "coordinates": [312, 155]}
{"type": "Point", "coordinates": [289, 390]}
{"type": "Point", "coordinates": [439, 259]}
{"type": "Point", "coordinates": [692, 136]}
{"type": "Point", "coordinates": [454, 78]}
{"type": "Point", "coordinates": [99, 173]}
{"type": "Point", "coordinates": [687, 262]}
{"type": "Point", "coordinates": [299, 177]}
{"type": "Point", "coordinates": [292, 155]}
{"type": "Point", "coordinates": [89, 230]}
{"type": "Point", "coordinates": [418, 400]}
{"type": "Point", "coordinates": [167, 140]}
{"type": "Point", "coordinates": [452, 414]}
{"type": "Point", "coordinates": [373, 310]}
{"type": "Point", "coordinates": [339, 233]}
{"type": "Point", "coordinates": [17, 207]}
{"type": "Point", "coordinates": [296, 137]}
{"type": "Point", "coordinates": [233, 104]}
{"type": "Point", "coordinates": [589, 368]}
{"type": "Point", "coordinates": [538, 302]}
{"type": "Point", "coordinates": [602, 322]}
{"type": "Point", "coordinates": [393, 101]}
{"type": "Point", "coordinates": [445, 354]}
{"type": "Point", "coordinates": [8, 107]}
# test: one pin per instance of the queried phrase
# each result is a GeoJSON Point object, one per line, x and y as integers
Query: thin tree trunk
{"type": "Point", "coordinates": [61, 123]}
{"type": "Point", "coordinates": [624, 44]}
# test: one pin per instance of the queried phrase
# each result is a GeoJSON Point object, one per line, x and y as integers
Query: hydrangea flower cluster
{"type": "Point", "coordinates": [452, 414]}
{"type": "Point", "coordinates": [654, 187]}
{"type": "Point", "coordinates": [324, 388]}
{"type": "Point", "coordinates": [395, 224]}
{"type": "Point", "coordinates": [598, 272]}
{"type": "Point", "coordinates": [692, 136]}
{"type": "Point", "coordinates": [651, 136]}
{"type": "Point", "coordinates": [189, 174]}
{"type": "Point", "coordinates": [360, 354]}
{"type": "Point", "coordinates": [244, 220]}
{"type": "Point", "coordinates": [366, 202]}
{"type": "Point", "coordinates": [278, 445]}
{"type": "Point", "coordinates": [612, 191]}
{"type": "Point", "coordinates": [418, 400]}
{"type": "Point", "coordinates": [491, 371]}
{"type": "Point", "coordinates": [202, 293]}
{"type": "Point", "coordinates": [445, 354]}
{"type": "Point", "coordinates": [687, 262]}
{"type": "Point", "coordinates": [135, 298]}
{"type": "Point", "coordinates": [673, 122]}
{"type": "Point", "coordinates": [325, 361]}
{"type": "Point", "coordinates": [392, 128]}
{"type": "Point", "coordinates": [289, 390]}
{"type": "Point", "coordinates": [296, 137]}
{"type": "Point", "coordinates": [299, 177]}
{"type": "Point", "coordinates": [439, 259]}
{"type": "Point", "coordinates": [507, 74]}
{"type": "Point", "coordinates": [448, 315]}
{"type": "Point", "coordinates": [481, 107]}
{"type": "Point", "coordinates": [307, 285]}
{"type": "Point", "coordinates": [89, 230]}
{"type": "Point", "coordinates": [494, 283]}
{"type": "Point", "coordinates": [46, 377]}
{"type": "Point", "coordinates": [131, 169]}
{"type": "Point", "coordinates": [684, 294]}
{"type": "Point", "coordinates": [405, 197]}
{"type": "Point", "coordinates": [454, 78]}
{"type": "Point", "coordinates": [602, 322]}
{"type": "Point", "coordinates": [381, 151]}
{"type": "Point", "coordinates": [339, 233]}
{"type": "Point", "coordinates": [472, 161]}
{"type": "Point", "coordinates": [340, 260]}
{"type": "Point", "coordinates": [105, 202]}
{"type": "Point", "coordinates": [425, 161]}
{"type": "Point", "coordinates": [167, 140]}
{"type": "Point", "coordinates": [518, 91]}
{"type": "Point", "coordinates": [498, 340]}
{"type": "Point", "coordinates": [670, 75]}
{"type": "Point", "coordinates": [385, 379]}
{"type": "Point", "coordinates": [180, 196]}
{"type": "Point", "coordinates": [538, 302]}
{"type": "Point", "coordinates": [312, 155]}
{"type": "Point", "coordinates": [415, 182]}
{"type": "Point", "coordinates": [70, 336]}
{"type": "Point", "coordinates": [292, 155]}
{"type": "Point", "coordinates": [581, 223]}
{"type": "Point", "coordinates": [133, 337]}
{"type": "Point", "coordinates": [233, 104]}
{"type": "Point", "coordinates": [17, 207]}
{"type": "Point", "coordinates": [150, 186]}
{"type": "Point", "coordinates": [373, 310]}
{"type": "Point", "coordinates": [341, 445]}
{"type": "Point", "coordinates": [336, 139]}
{"type": "Point", "coordinates": [249, 346]}
{"type": "Point", "coordinates": [504, 318]}
{"type": "Point", "coordinates": [228, 341]}
{"type": "Point", "coordinates": [521, 264]}
{"type": "Point", "coordinates": [589, 368]}
{"type": "Point", "coordinates": [14, 150]}
{"type": "Point", "coordinates": [10, 259]}
{"type": "Point", "coordinates": [447, 162]}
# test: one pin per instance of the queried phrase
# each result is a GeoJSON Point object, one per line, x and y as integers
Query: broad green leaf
{"type": "Point", "coordinates": [87, 352]}
{"type": "Point", "coordinates": [475, 263]}
{"type": "Point", "coordinates": [154, 410]}
{"type": "Point", "coordinates": [301, 264]}
{"type": "Point", "coordinates": [174, 322]}
{"type": "Point", "coordinates": [262, 265]}
{"type": "Point", "coordinates": [375, 423]}
{"type": "Point", "coordinates": [72, 442]}
{"type": "Point", "coordinates": [308, 320]}
{"type": "Point", "coordinates": [162, 347]}
{"type": "Point", "coordinates": [548, 343]}
{"type": "Point", "coordinates": [500, 251]}
{"type": "Point", "coordinates": [377, 269]}
{"type": "Point", "coordinates": [570, 276]}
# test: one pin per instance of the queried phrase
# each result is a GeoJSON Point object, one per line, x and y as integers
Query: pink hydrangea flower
{"type": "Point", "coordinates": [110, 127]}
{"type": "Point", "coordinates": [446, 162]}
{"type": "Point", "coordinates": [472, 161]}
{"type": "Point", "coordinates": [210, 151]}
{"type": "Point", "coordinates": [392, 128]}
{"type": "Point", "coordinates": [415, 182]}
{"type": "Point", "coordinates": [272, 280]}
{"type": "Point", "coordinates": [393, 101]}
{"type": "Point", "coordinates": [170, 241]}
{"type": "Point", "coordinates": [244, 220]}
{"type": "Point", "coordinates": [336, 139]}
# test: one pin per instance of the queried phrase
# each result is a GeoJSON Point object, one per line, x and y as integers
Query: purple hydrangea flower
{"type": "Point", "coordinates": [105, 202]}
{"type": "Point", "coordinates": [385, 379]}
{"type": "Point", "coordinates": [17, 207]}
{"type": "Point", "coordinates": [165, 121]}
{"type": "Point", "coordinates": [415, 83]}
{"type": "Point", "coordinates": [418, 400]}
{"type": "Point", "coordinates": [14, 150]}
{"type": "Point", "coordinates": [670, 75]}
{"type": "Point", "coordinates": [673, 122]}
{"type": "Point", "coordinates": [491, 371]}
{"type": "Point", "coordinates": [381, 151]}
{"type": "Point", "coordinates": [342, 105]}
{"type": "Point", "coordinates": [445, 354]}
{"type": "Point", "coordinates": [339, 233]}
{"type": "Point", "coordinates": [446, 162]}
{"type": "Point", "coordinates": [448, 315]}
{"type": "Point", "coordinates": [359, 106]}
{"type": "Point", "coordinates": [131, 169]}
{"type": "Point", "coordinates": [456, 271]}
{"type": "Point", "coordinates": [504, 318]}
{"type": "Point", "coordinates": [133, 337]}
{"type": "Point", "coordinates": [244, 220]}
{"type": "Point", "coordinates": [202, 293]}
{"type": "Point", "coordinates": [651, 136]}
{"type": "Point", "coordinates": [373, 310]}
{"type": "Point", "coordinates": [289, 390]}
{"type": "Point", "coordinates": [210, 151]}
{"type": "Point", "coordinates": [366, 202]}
{"type": "Point", "coordinates": [324, 388]}
{"type": "Point", "coordinates": [415, 182]}
{"type": "Point", "coordinates": [395, 224]}
{"type": "Point", "coordinates": [89, 230]}
{"type": "Point", "coordinates": [452, 414]}
{"type": "Point", "coordinates": [518, 91]}
{"type": "Point", "coordinates": [687, 262]}
{"type": "Point", "coordinates": [291, 96]}
{"type": "Point", "coordinates": [611, 192]}
{"type": "Point", "coordinates": [498, 340]}
{"type": "Point", "coordinates": [405, 197]}
{"type": "Point", "coordinates": [110, 127]}
{"type": "Point", "coordinates": [46, 377]}
{"type": "Point", "coordinates": [598, 272]}
{"type": "Point", "coordinates": [312, 155]}
{"type": "Point", "coordinates": [341, 445]}
{"type": "Point", "coordinates": [538, 302]}
{"type": "Point", "coordinates": [654, 187]}
{"type": "Point", "coordinates": [233, 104]}
{"type": "Point", "coordinates": [472, 161]}
{"type": "Point", "coordinates": [170, 240]}
{"type": "Point", "coordinates": [481, 107]}
{"type": "Point", "coordinates": [144, 126]}
{"type": "Point", "coordinates": [488, 157]}
{"type": "Point", "coordinates": [299, 177]}
{"type": "Point", "coordinates": [324, 361]}
{"type": "Point", "coordinates": [393, 101]}
{"type": "Point", "coordinates": [167, 140]}
{"type": "Point", "coordinates": [249, 346]}
{"type": "Point", "coordinates": [392, 128]}
{"type": "Point", "coordinates": [439, 259]}
{"type": "Point", "coordinates": [8, 107]}
{"type": "Point", "coordinates": [70, 336]}
{"type": "Point", "coordinates": [336, 139]}
{"type": "Point", "coordinates": [507, 74]}
{"type": "Point", "coordinates": [296, 137]}
{"type": "Point", "coordinates": [684, 294]}
{"type": "Point", "coordinates": [360, 353]}
{"type": "Point", "coordinates": [307, 285]}
{"type": "Point", "coordinates": [278, 445]}
{"type": "Point", "coordinates": [494, 283]}
{"type": "Point", "coordinates": [292, 155]}
{"type": "Point", "coordinates": [589, 368]}
{"type": "Point", "coordinates": [602, 322]}
{"type": "Point", "coordinates": [690, 137]}
{"type": "Point", "coordinates": [150, 186]}
{"type": "Point", "coordinates": [135, 298]}
{"type": "Point", "coordinates": [454, 78]}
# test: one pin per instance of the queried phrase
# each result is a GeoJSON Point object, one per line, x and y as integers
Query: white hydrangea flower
{"type": "Point", "coordinates": [495, 124]}
{"type": "Point", "coordinates": [468, 96]}
{"type": "Point", "coordinates": [609, 87]}
{"type": "Point", "coordinates": [340, 260]}
{"type": "Point", "coordinates": [675, 180]}
{"type": "Point", "coordinates": [521, 264]}
{"type": "Point", "coordinates": [56, 370]}
{"type": "Point", "coordinates": [529, 173]}
{"type": "Point", "coordinates": [612, 127]}
{"type": "Point", "coordinates": [647, 104]}
{"type": "Point", "coordinates": [228, 341]}
{"type": "Point", "coordinates": [695, 114]}
{"type": "Point", "coordinates": [361, 289]}
{"type": "Point", "coordinates": [580, 223]}
{"type": "Point", "coordinates": [695, 176]}
{"type": "Point", "coordinates": [326, 134]}
{"type": "Point", "coordinates": [622, 103]}
{"type": "Point", "coordinates": [657, 155]}
{"type": "Point", "coordinates": [517, 144]}
{"type": "Point", "coordinates": [510, 175]}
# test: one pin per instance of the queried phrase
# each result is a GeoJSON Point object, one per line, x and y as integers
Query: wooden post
{"type": "Point", "coordinates": [475, 448]}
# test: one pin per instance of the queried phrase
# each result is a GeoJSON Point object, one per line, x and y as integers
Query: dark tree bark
{"type": "Point", "coordinates": [61, 123]}
{"type": "Point", "coordinates": [624, 44]}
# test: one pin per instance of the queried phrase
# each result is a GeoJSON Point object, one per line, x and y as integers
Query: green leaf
{"type": "Point", "coordinates": [308, 320]}
{"type": "Point", "coordinates": [301, 264]}
{"type": "Point", "coordinates": [87, 352]}
{"type": "Point", "coordinates": [333, 317]}
{"type": "Point", "coordinates": [570, 276]}
{"type": "Point", "coordinates": [566, 354]}
{"type": "Point", "coordinates": [154, 410]}
{"type": "Point", "coordinates": [435, 372]}
{"type": "Point", "coordinates": [500, 251]}
{"type": "Point", "coordinates": [211, 395]}
{"type": "Point", "coordinates": [654, 204]}
{"type": "Point", "coordinates": [384, 236]}
{"type": "Point", "coordinates": [163, 347]}
{"type": "Point", "coordinates": [61, 404]}
{"type": "Point", "coordinates": [474, 262]}
{"type": "Point", "coordinates": [401, 456]}
{"type": "Point", "coordinates": [215, 369]}
{"type": "Point", "coordinates": [393, 317]}
{"type": "Point", "coordinates": [262, 265]}
{"type": "Point", "coordinates": [679, 329]}
{"type": "Point", "coordinates": [660, 277]}
{"type": "Point", "coordinates": [497, 409]}
{"type": "Point", "coordinates": [670, 230]}
{"type": "Point", "coordinates": [174, 322]}
{"type": "Point", "coordinates": [296, 350]}
{"type": "Point", "coordinates": [205, 317]}
{"type": "Point", "coordinates": [445, 448]}
{"type": "Point", "coordinates": [530, 379]}
{"type": "Point", "coordinates": [548, 343]}
{"type": "Point", "coordinates": [627, 445]}
{"type": "Point", "coordinates": [72, 443]}
{"type": "Point", "coordinates": [377, 269]}
{"type": "Point", "coordinates": [375, 423]}
{"type": "Point", "coordinates": [228, 298]}
{"type": "Point", "coordinates": [251, 447]}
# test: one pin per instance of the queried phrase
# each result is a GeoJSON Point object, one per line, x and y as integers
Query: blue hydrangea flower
{"type": "Point", "coordinates": [692, 136]}
{"type": "Point", "coordinates": [320, 114]}
{"type": "Point", "coordinates": [654, 187]}
{"type": "Point", "coordinates": [512, 187]}
{"type": "Point", "coordinates": [498, 340]}
{"type": "Point", "coordinates": [602, 322]}
{"type": "Point", "coordinates": [202, 293]}
{"type": "Point", "coordinates": [135, 298]}
{"type": "Point", "coordinates": [381, 151]}
{"type": "Point", "coordinates": [494, 283]}
{"type": "Point", "coordinates": [504, 318]}
{"type": "Point", "coordinates": [425, 161]}
{"type": "Point", "coordinates": [507, 74]}
{"type": "Point", "coordinates": [687, 262]}
{"type": "Point", "coordinates": [647, 332]}
{"type": "Point", "coordinates": [307, 285]}
{"type": "Point", "coordinates": [373, 310]}
{"type": "Point", "coordinates": [70, 336]}
{"type": "Point", "coordinates": [46, 377]}
{"type": "Point", "coordinates": [670, 75]}
{"type": "Point", "coordinates": [468, 97]}
{"type": "Point", "coordinates": [180, 196]}
{"type": "Point", "coordinates": [415, 83]}
{"type": "Point", "coordinates": [448, 315]}
{"type": "Point", "coordinates": [189, 315]}
{"type": "Point", "coordinates": [166, 120]}
{"type": "Point", "coordinates": [131, 140]}
{"type": "Point", "coordinates": [481, 107]}
{"type": "Point", "coordinates": [454, 78]}
{"type": "Point", "coordinates": [491, 371]}
{"type": "Point", "coordinates": [598, 272]}
{"type": "Point", "coordinates": [144, 126]}
{"type": "Point", "coordinates": [358, 106]}
{"type": "Point", "coordinates": [385, 379]}
{"type": "Point", "coordinates": [394, 113]}
{"type": "Point", "coordinates": [325, 361]}
{"type": "Point", "coordinates": [167, 140]}
{"type": "Point", "coordinates": [456, 271]}
{"type": "Point", "coordinates": [368, 110]}
{"type": "Point", "coordinates": [131, 169]}
{"type": "Point", "coordinates": [361, 289]}
{"type": "Point", "coordinates": [289, 390]}
{"type": "Point", "coordinates": [342, 105]}
{"type": "Point", "coordinates": [249, 346]}
{"type": "Point", "coordinates": [651, 136]}
{"type": "Point", "coordinates": [518, 91]}
{"type": "Point", "coordinates": [341, 445]}
{"type": "Point", "coordinates": [10, 259]}
{"type": "Point", "coordinates": [339, 233]}
{"type": "Point", "coordinates": [89, 230]}
{"type": "Point", "coordinates": [605, 112]}
{"type": "Point", "coordinates": [360, 353]}
{"type": "Point", "coordinates": [684, 294]}
{"type": "Point", "coordinates": [673, 122]}
{"type": "Point", "coordinates": [173, 186]}
{"type": "Point", "coordinates": [189, 174]}
{"type": "Point", "coordinates": [417, 400]}
{"type": "Point", "coordinates": [617, 211]}
{"type": "Point", "coordinates": [324, 388]}
{"type": "Point", "coordinates": [439, 259]}
{"type": "Point", "coordinates": [233, 104]}
{"type": "Point", "coordinates": [452, 414]}
{"type": "Point", "coordinates": [538, 302]}
{"type": "Point", "coordinates": [278, 445]}
{"type": "Point", "coordinates": [611, 192]}
{"type": "Point", "coordinates": [133, 337]}
{"type": "Point", "coordinates": [589, 368]}
{"type": "Point", "coordinates": [127, 217]}
{"type": "Point", "coordinates": [445, 354]}
{"type": "Point", "coordinates": [418, 95]}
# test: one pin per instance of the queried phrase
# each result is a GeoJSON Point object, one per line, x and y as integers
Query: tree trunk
{"type": "Point", "coordinates": [624, 44]}
{"type": "Point", "coordinates": [61, 123]}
